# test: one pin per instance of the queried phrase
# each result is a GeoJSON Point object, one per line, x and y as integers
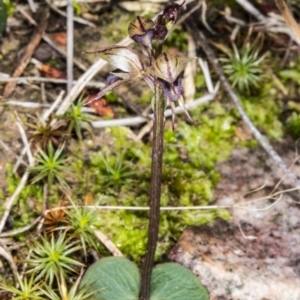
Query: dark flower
{"type": "Point", "coordinates": [142, 31]}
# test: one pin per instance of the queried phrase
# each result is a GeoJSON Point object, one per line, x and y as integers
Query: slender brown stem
{"type": "Point", "coordinates": [155, 192]}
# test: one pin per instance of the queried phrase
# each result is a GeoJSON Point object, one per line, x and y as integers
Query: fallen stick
{"type": "Point", "coordinates": [33, 43]}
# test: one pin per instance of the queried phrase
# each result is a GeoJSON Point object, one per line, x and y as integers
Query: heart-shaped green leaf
{"type": "Point", "coordinates": [115, 278]}
{"type": "Point", "coordinates": [171, 281]}
{"type": "Point", "coordinates": [122, 58]}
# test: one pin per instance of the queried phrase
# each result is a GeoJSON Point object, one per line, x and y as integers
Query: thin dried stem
{"type": "Point", "coordinates": [140, 120]}
{"type": "Point", "coordinates": [24, 80]}
{"type": "Point", "coordinates": [12, 199]}
{"type": "Point", "coordinates": [70, 43]}
{"type": "Point", "coordinates": [10, 260]}
{"type": "Point", "coordinates": [32, 6]}
{"type": "Point", "coordinates": [21, 229]}
{"type": "Point", "coordinates": [10, 202]}
{"type": "Point", "coordinates": [108, 243]}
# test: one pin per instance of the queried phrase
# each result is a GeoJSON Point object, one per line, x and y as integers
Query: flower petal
{"type": "Point", "coordinates": [168, 67]}
{"type": "Point", "coordinates": [107, 89]}
{"type": "Point", "coordinates": [141, 30]}
{"type": "Point", "coordinates": [122, 58]}
{"type": "Point", "coordinates": [150, 81]}
{"type": "Point", "coordinates": [172, 91]}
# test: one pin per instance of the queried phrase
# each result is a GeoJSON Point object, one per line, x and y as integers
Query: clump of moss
{"type": "Point", "coordinates": [291, 115]}
{"type": "Point", "coordinates": [120, 175]}
{"type": "Point", "coordinates": [178, 39]}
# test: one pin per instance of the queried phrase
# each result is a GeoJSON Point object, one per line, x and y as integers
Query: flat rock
{"type": "Point", "coordinates": [256, 256]}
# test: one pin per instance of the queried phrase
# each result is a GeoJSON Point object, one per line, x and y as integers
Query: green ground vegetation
{"type": "Point", "coordinates": [119, 172]}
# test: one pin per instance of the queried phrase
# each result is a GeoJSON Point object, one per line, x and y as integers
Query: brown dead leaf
{"type": "Point", "coordinates": [101, 107]}
{"type": "Point", "coordinates": [59, 38]}
{"type": "Point", "coordinates": [51, 72]}
{"type": "Point", "coordinates": [243, 134]}
{"type": "Point", "coordinates": [89, 199]}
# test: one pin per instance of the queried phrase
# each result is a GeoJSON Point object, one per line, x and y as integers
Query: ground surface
{"type": "Point", "coordinates": [230, 265]}
{"type": "Point", "coordinates": [265, 265]}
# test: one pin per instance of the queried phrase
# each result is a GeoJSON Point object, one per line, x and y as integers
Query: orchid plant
{"type": "Point", "coordinates": [163, 69]}
{"type": "Point", "coordinates": [163, 73]}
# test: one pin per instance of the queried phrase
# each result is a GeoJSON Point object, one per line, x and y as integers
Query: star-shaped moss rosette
{"type": "Point", "coordinates": [163, 68]}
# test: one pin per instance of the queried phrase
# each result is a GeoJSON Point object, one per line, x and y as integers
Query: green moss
{"type": "Point", "coordinates": [291, 73]}
{"type": "Point", "coordinates": [291, 77]}
{"type": "Point", "coordinates": [77, 8]}
{"type": "Point", "coordinates": [31, 194]}
{"type": "Point", "coordinates": [293, 125]}
{"type": "Point", "coordinates": [200, 84]}
{"type": "Point", "coordinates": [12, 182]}
{"type": "Point", "coordinates": [10, 7]}
{"type": "Point", "coordinates": [264, 113]}
{"type": "Point", "coordinates": [146, 97]}
{"type": "Point", "coordinates": [121, 174]}
{"type": "Point", "coordinates": [111, 97]}
{"type": "Point", "coordinates": [177, 39]}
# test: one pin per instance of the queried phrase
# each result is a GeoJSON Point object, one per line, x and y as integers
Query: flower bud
{"type": "Point", "coordinates": [171, 14]}
{"type": "Point", "coordinates": [160, 32]}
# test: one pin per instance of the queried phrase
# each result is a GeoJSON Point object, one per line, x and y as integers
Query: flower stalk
{"type": "Point", "coordinates": [155, 191]}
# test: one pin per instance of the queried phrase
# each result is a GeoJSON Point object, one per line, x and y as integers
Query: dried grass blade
{"type": "Point", "coordinates": [289, 19]}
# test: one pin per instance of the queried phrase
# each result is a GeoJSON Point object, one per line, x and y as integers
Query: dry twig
{"type": "Point", "coordinates": [33, 43]}
{"type": "Point", "coordinates": [10, 260]}
{"type": "Point", "coordinates": [140, 120]}
{"type": "Point", "coordinates": [76, 19]}
{"type": "Point", "coordinates": [25, 80]}
{"type": "Point", "coordinates": [70, 43]}
{"type": "Point", "coordinates": [10, 202]}
{"type": "Point", "coordinates": [21, 229]}
{"type": "Point", "coordinates": [32, 6]}
{"type": "Point", "coordinates": [108, 243]}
